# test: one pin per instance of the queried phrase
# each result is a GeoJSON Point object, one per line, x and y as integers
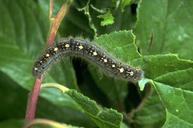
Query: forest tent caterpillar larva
{"type": "Point", "coordinates": [88, 51]}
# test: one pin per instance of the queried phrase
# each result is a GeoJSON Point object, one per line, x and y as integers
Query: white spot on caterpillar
{"type": "Point", "coordinates": [105, 60]}
{"type": "Point", "coordinates": [102, 59]}
{"type": "Point", "coordinates": [121, 70]}
{"type": "Point", "coordinates": [80, 47]}
{"type": "Point", "coordinates": [131, 73]}
{"type": "Point", "coordinates": [35, 69]}
{"type": "Point", "coordinates": [55, 49]}
{"type": "Point", "coordinates": [113, 65]}
{"type": "Point", "coordinates": [67, 45]}
{"type": "Point", "coordinates": [94, 53]}
{"type": "Point", "coordinates": [47, 55]}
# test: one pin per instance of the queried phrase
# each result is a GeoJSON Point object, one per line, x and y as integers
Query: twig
{"type": "Point", "coordinates": [55, 22]}
{"type": "Point", "coordinates": [45, 122]}
{"type": "Point", "coordinates": [32, 100]}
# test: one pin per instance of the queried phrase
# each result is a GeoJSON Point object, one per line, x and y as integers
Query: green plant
{"type": "Point", "coordinates": [155, 35]}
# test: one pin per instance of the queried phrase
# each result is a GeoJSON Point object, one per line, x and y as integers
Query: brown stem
{"type": "Point", "coordinates": [32, 100]}
{"type": "Point", "coordinates": [55, 22]}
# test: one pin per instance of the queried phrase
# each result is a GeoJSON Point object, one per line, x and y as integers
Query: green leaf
{"type": "Point", "coordinates": [21, 41]}
{"type": "Point", "coordinates": [120, 44]}
{"type": "Point", "coordinates": [157, 65]}
{"type": "Point", "coordinates": [124, 3]}
{"type": "Point", "coordinates": [86, 11]}
{"type": "Point", "coordinates": [11, 94]}
{"type": "Point", "coordinates": [180, 79]}
{"type": "Point", "coordinates": [11, 124]}
{"type": "Point", "coordinates": [104, 118]}
{"type": "Point", "coordinates": [178, 103]}
{"type": "Point", "coordinates": [107, 18]}
{"type": "Point", "coordinates": [166, 69]}
{"type": "Point", "coordinates": [173, 121]}
{"type": "Point", "coordinates": [21, 49]}
{"type": "Point", "coordinates": [165, 26]}
{"type": "Point", "coordinates": [152, 114]}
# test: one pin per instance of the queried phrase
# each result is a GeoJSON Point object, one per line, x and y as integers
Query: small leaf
{"type": "Point", "coordinates": [107, 18]}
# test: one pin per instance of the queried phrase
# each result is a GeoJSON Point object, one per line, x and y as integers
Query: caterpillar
{"type": "Point", "coordinates": [90, 52]}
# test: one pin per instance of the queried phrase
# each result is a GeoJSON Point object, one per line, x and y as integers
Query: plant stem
{"type": "Point", "coordinates": [45, 122]}
{"type": "Point", "coordinates": [55, 23]}
{"type": "Point", "coordinates": [32, 100]}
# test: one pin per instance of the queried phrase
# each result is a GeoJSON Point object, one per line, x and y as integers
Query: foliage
{"type": "Point", "coordinates": [155, 35]}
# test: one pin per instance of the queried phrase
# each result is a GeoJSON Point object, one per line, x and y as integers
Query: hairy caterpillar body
{"type": "Point", "coordinates": [88, 51]}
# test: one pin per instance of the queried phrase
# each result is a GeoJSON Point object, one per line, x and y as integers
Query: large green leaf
{"type": "Point", "coordinates": [17, 63]}
{"type": "Point", "coordinates": [174, 121]}
{"type": "Point", "coordinates": [178, 105]}
{"type": "Point", "coordinates": [103, 117]}
{"type": "Point", "coordinates": [152, 114]}
{"type": "Point", "coordinates": [161, 28]}
{"type": "Point", "coordinates": [165, 26]}
{"type": "Point", "coordinates": [181, 79]}
{"type": "Point", "coordinates": [167, 69]}
{"type": "Point", "coordinates": [11, 94]}
{"type": "Point", "coordinates": [11, 124]}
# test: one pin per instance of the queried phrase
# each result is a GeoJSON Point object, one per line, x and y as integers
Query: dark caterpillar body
{"type": "Point", "coordinates": [89, 51]}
